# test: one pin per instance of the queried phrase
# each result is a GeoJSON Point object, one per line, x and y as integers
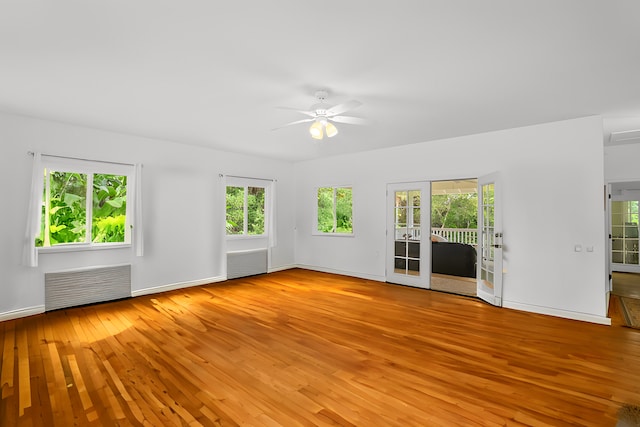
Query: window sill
{"type": "Point", "coordinates": [82, 248]}
{"type": "Point", "coordinates": [246, 237]}
{"type": "Point", "coordinates": [317, 233]}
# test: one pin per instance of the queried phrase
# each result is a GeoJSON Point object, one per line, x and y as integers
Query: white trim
{"type": "Point", "coordinates": [281, 268]}
{"type": "Point", "coordinates": [247, 251]}
{"type": "Point", "coordinates": [22, 312]}
{"type": "Point", "coordinates": [486, 296]}
{"type": "Point", "coordinates": [81, 247]}
{"type": "Point", "coordinates": [343, 273]}
{"type": "Point", "coordinates": [88, 268]}
{"type": "Point", "coordinates": [174, 286]}
{"type": "Point", "coordinates": [320, 233]}
{"type": "Point", "coordinates": [625, 268]}
{"type": "Point", "coordinates": [246, 236]}
{"type": "Point", "coordinates": [573, 315]}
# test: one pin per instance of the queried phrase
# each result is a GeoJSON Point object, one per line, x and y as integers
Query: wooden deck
{"type": "Point", "coordinates": [300, 348]}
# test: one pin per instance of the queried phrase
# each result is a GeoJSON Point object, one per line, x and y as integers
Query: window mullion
{"type": "Point", "coordinates": [89, 208]}
{"type": "Point", "coordinates": [47, 208]}
{"type": "Point", "coordinates": [245, 230]}
{"type": "Point", "coordinates": [409, 211]}
{"type": "Point", "coordinates": [335, 209]}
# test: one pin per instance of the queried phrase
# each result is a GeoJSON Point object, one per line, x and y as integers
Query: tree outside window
{"type": "Point", "coordinates": [335, 210]}
{"type": "Point", "coordinates": [82, 208]}
{"type": "Point", "coordinates": [245, 211]}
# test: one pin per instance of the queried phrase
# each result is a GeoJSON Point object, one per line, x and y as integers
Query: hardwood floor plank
{"type": "Point", "coordinates": [302, 348]}
{"type": "Point", "coordinates": [24, 377]}
{"type": "Point", "coordinates": [8, 359]}
{"type": "Point", "coordinates": [78, 380]}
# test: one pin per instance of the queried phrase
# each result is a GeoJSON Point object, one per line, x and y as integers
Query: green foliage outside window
{"type": "Point", "coordinates": [64, 209]}
{"type": "Point", "coordinates": [335, 210]}
{"type": "Point", "coordinates": [109, 208]}
{"type": "Point", "coordinates": [252, 213]}
{"type": "Point", "coordinates": [235, 210]}
{"type": "Point", "coordinates": [255, 210]}
{"type": "Point", "coordinates": [454, 210]}
{"type": "Point", "coordinates": [326, 217]}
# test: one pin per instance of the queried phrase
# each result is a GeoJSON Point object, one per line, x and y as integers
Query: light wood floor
{"type": "Point", "coordinates": [626, 284]}
{"type": "Point", "coordinates": [305, 348]}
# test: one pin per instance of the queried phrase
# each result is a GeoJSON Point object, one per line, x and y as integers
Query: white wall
{"type": "Point", "coordinates": [622, 163]}
{"type": "Point", "coordinates": [182, 198]}
{"type": "Point", "coordinates": [552, 177]}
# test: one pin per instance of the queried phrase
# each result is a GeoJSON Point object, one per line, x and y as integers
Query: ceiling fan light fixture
{"type": "Point", "coordinates": [331, 129]}
{"type": "Point", "coordinates": [316, 130]}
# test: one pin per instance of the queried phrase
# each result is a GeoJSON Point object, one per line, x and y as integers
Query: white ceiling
{"type": "Point", "coordinates": [211, 73]}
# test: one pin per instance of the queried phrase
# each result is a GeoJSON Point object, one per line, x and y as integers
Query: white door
{"type": "Point", "coordinates": [489, 276]}
{"type": "Point", "coordinates": [609, 272]}
{"type": "Point", "coordinates": [408, 227]}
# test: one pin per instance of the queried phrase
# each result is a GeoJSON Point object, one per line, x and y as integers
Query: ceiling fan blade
{"type": "Point", "coordinates": [308, 113]}
{"type": "Point", "coordinates": [349, 120]}
{"type": "Point", "coordinates": [341, 108]}
{"type": "Point", "coordinates": [293, 123]}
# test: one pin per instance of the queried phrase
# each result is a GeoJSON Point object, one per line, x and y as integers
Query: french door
{"type": "Point", "coordinates": [408, 234]}
{"type": "Point", "coordinates": [489, 269]}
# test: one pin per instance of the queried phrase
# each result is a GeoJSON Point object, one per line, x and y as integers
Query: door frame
{"type": "Point", "coordinates": [609, 229]}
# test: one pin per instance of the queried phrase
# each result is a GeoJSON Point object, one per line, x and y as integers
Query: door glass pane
{"type": "Point", "coordinates": [407, 232]}
{"type": "Point", "coordinates": [488, 235]}
{"type": "Point", "coordinates": [401, 198]}
{"type": "Point", "coordinates": [624, 232]}
{"type": "Point", "coordinates": [414, 196]}
{"type": "Point", "coordinates": [416, 217]}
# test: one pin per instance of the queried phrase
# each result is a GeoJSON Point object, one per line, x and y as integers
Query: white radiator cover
{"type": "Point", "coordinates": [246, 263]}
{"type": "Point", "coordinates": [86, 286]}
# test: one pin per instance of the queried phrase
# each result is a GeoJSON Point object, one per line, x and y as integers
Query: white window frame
{"type": "Point", "coordinates": [315, 230]}
{"type": "Point", "coordinates": [91, 167]}
{"type": "Point", "coordinates": [245, 183]}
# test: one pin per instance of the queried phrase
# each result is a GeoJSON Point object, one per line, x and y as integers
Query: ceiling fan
{"type": "Point", "coordinates": [321, 114]}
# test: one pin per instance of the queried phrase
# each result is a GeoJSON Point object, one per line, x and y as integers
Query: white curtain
{"type": "Point", "coordinates": [34, 213]}
{"type": "Point", "coordinates": [223, 213]}
{"type": "Point", "coordinates": [273, 242]}
{"type": "Point", "coordinates": [138, 235]}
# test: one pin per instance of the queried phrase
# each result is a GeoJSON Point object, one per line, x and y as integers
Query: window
{"type": "Point", "coordinates": [334, 214]}
{"type": "Point", "coordinates": [245, 208]}
{"type": "Point", "coordinates": [84, 203]}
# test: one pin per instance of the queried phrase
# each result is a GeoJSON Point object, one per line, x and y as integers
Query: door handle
{"type": "Point", "coordinates": [498, 240]}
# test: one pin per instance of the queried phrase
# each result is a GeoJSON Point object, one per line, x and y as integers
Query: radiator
{"type": "Point", "coordinates": [246, 263]}
{"type": "Point", "coordinates": [86, 286]}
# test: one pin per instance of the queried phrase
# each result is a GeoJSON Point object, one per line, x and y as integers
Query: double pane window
{"type": "Point", "coordinates": [334, 210]}
{"type": "Point", "coordinates": [83, 203]}
{"type": "Point", "coordinates": [245, 210]}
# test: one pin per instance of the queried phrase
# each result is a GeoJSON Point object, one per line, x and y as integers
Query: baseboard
{"type": "Point", "coordinates": [365, 276]}
{"type": "Point", "coordinates": [281, 268]}
{"type": "Point", "coordinates": [23, 312]}
{"type": "Point", "coordinates": [573, 315]}
{"type": "Point", "coordinates": [625, 268]}
{"type": "Point", "coordinates": [174, 286]}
